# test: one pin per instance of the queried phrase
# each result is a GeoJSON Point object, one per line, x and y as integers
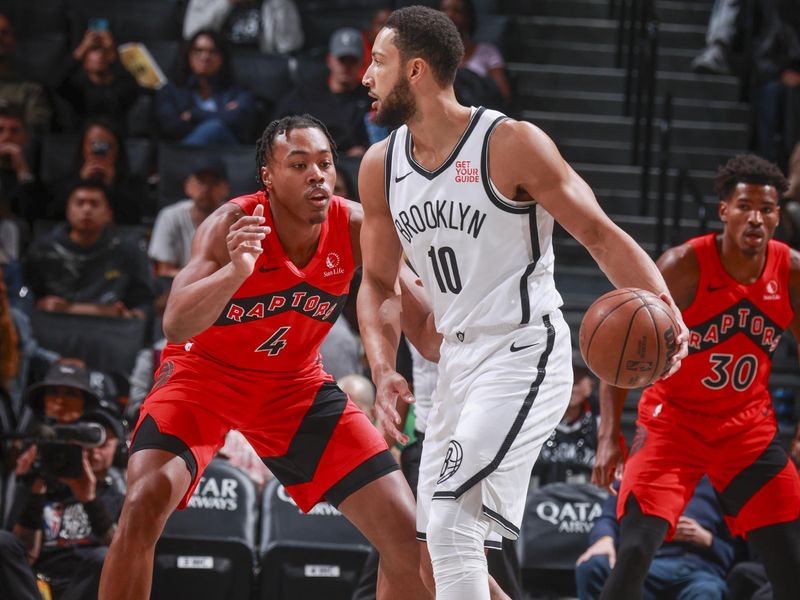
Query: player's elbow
{"type": "Point", "coordinates": [173, 329]}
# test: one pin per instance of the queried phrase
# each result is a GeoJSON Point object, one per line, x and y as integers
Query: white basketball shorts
{"type": "Point", "coordinates": [497, 400]}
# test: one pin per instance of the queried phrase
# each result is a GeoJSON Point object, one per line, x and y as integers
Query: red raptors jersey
{"type": "Point", "coordinates": [278, 318]}
{"type": "Point", "coordinates": [734, 329]}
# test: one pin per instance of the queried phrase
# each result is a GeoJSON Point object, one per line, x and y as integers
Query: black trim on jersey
{"type": "Point", "coordinates": [750, 480]}
{"type": "Point", "coordinates": [255, 308]}
{"type": "Point", "coordinates": [502, 521]}
{"type": "Point", "coordinates": [487, 186]}
{"type": "Point", "coordinates": [524, 298]}
{"type": "Point", "coordinates": [732, 311]}
{"type": "Point", "coordinates": [429, 175]}
{"type": "Point", "coordinates": [387, 165]}
{"type": "Point", "coordinates": [490, 544]}
{"type": "Point", "coordinates": [305, 450]}
{"type": "Point", "coordinates": [517, 425]}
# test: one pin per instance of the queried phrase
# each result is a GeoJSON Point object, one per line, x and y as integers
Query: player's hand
{"type": "Point", "coordinates": [244, 241]}
{"type": "Point", "coordinates": [607, 463]}
{"type": "Point", "coordinates": [391, 388]}
{"type": "Point", "coordinates": [689, 530]}
{"type": "Point", "coordinates": [682, 340]}
{"type": "Point", "coordinates": [602, 547]}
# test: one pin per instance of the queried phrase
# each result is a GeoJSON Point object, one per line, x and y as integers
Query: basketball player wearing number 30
{"type": "Point", "coordinates": [471, 195]}
{"type": "Point", "coordinates": [739, 291]}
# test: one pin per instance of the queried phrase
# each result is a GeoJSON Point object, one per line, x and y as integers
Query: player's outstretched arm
{"type": "Point", "coordinates": [609, 456]}
{"type": "Point", "coordinates": [379, 303]}
{"type": "Point", "coordinates": [525, 164]}
{"type": "Point", "coordinates": [224, 252]}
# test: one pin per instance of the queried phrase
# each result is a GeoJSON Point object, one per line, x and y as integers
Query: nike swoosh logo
{"type": "Point", "coordinates": [265, 270]}
{"type": "Point", "coordinates": [515, 348]}
{"type": "Point", "coordinates": [399, 179]}
{"type": "Point", "coordinates": [717, 288]}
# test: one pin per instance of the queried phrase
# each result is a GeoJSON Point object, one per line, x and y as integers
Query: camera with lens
{"type": "Point", "coordinates": [60, 448]}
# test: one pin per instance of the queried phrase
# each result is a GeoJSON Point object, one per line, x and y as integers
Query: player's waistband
{"type": "Point", "coordinates": [472, 334]}
{"type": "Point", "coordinates": [692, 410]}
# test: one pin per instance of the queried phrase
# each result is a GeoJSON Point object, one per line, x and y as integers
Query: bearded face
{"type": "Point", "coordinates": [399, 106]}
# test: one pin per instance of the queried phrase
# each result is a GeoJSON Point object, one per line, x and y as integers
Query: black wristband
{"type": "Point", "coordinates": [99, 518]}
{"type": "Point", "coordinates": [32, 515]}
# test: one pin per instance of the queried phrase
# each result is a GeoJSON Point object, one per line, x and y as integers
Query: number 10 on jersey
{"type": "Point", "coordinates": [445, 269]}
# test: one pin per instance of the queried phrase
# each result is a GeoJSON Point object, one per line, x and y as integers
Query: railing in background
{"type": "Point", "coordinates": [637, 22]}
{"type": "Point", "coordinates": [664, 154]}
{"type": "Point", "coordinates": [683, 183]}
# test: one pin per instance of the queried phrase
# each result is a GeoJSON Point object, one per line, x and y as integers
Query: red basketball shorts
{"type": "Point", "coordinates": [756, 483]}
{"type": "Point", "coordinates": [304, 427]}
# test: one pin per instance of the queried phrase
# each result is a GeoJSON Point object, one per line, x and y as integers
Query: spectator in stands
{"type": "Point", "coordinates": [721, 30]}
{"type": "Point", "coordinates": [341, 102]}
{"type": "Point", "coordinates": [101, 155]}
{"type": "Point", "coordinates": [778, 64]}
{"type": "Point", "coordinates": [23, 195]}
{"type": "Point", "coordinates": [61, 527]}
{"type": "Point", "coordinates": [14, 88]}
{"type": "Point", "coordinates": [94, 82]}
{"type": "Point", "coordinates": [692, 565]}
{"type": "Point", "coordinates": [361, 392]}
{"type": "Point", "coordinates": [481, 58]}
{"type": "Point", "coordinates": [273, 26]}
{"type": "Point", "coordinates": [9, 341]}
{"type": "Point", "coordinates": [203, 104]}
{"type": "Point", "coordinates": [206, 188]}
{"type": "Point", "coordinates": [568, 454]}
{"type": "Point", "coordinates": [84, 266]}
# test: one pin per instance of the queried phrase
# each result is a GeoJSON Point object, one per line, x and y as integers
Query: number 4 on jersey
{"type": "Point", "coordinates": [275, 343]}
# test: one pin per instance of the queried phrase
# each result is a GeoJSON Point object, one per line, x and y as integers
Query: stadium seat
{"type": "Point", "coordinates": [59, 150]}
{"type": "Point", "coordinates": [265, 75]}
{"type": "Point", "coordinates": [104, 343]}
{"type": "Point", "coordinates": [176, 161]}
{"type": "Point", "coordinates": [350, 165]}
{"type": "Point", "coordinates": [129, 20]}
{"type": "Point", "coordinates": [42, 16]}
{"type": "Point", "coordinates": [208, 549]}
{"type": "Point", "coordinates": [320, 24]}
{"type": "Point", "coordinates": [305, 70]}
{"type": "Point", "coordinates": [39, 57]}
{"type": "Point", "coordinates": [318, 555]}
{"type": "Point", "coordinates": [555, 531]}
{"type": "Point", "coordinates": [167, 54]}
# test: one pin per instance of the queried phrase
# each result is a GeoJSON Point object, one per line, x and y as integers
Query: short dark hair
{"type": "Point", "coordinates": [748, 168]}
{"type": "Point", "coordinates": [430, 35]}
{"type": "Point", "coordinates": [12, 110]}
{"type": "Point", "coordinates": [282, 126]}
{"type": "Point", "coordinates": [91, 184]}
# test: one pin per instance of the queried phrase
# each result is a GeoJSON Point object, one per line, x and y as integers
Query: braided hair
{"type": "Point", "coordinates": [283, 126]}
{"type": "Point", "coordinates": [748, 168]}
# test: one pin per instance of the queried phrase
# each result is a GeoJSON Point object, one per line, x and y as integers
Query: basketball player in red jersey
{"type": "Point", "coordinates": [269, 274]}
{"type": "Point", "coordinates": [738, 291]}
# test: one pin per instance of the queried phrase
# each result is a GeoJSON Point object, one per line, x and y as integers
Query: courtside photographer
{"type": "Point", "coordinates": [64, 509]}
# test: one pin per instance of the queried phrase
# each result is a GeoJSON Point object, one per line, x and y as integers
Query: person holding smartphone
{"type": "Point", "coordinates": [93, 81]}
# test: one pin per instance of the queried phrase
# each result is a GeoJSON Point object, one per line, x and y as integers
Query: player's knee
{"type": "Point", "coordinates": [146, 511]}
{"type": "Point", "coordinates": [634, 557]}
{"type": "Point", "coordinates": [453, 533]}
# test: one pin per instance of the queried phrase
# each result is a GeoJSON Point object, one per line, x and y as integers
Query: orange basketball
{"type": "Point", "coordinates": [628, 337]}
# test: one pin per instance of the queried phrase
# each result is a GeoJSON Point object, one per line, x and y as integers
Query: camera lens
{"type": "Point", "coordinates": [100, 148]}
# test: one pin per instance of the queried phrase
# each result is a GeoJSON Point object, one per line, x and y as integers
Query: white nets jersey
{"type": "Point", "coordinates": [486, 261]}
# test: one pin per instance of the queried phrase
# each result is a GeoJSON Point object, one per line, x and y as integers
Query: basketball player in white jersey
{"type": "Point", "coordinates": [470, 196]}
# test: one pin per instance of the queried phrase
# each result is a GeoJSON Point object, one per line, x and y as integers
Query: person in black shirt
{"type": "Point", "coordinates": [341, 102]}
{"type": "Point", "coordinates": [61, 528]}
{"type": "Point", "coordinates": [86, 267]}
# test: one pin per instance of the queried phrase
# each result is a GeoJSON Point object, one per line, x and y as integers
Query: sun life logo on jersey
{"type": "Point", "coordinates": [452, 461]}
{"type": "Point", "coordinates": [332, 262]}
{"type": "Point", "coordinates": [772, 290]}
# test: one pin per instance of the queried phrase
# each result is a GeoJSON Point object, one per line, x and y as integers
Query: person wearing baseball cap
{"type": "Point", "coordinates": [206, 187]}
{"type": "Point", "coordinates": [340, 101]}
